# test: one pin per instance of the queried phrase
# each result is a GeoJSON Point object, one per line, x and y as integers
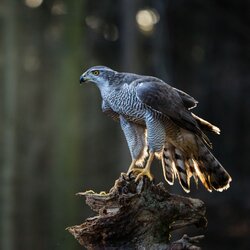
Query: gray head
{"type": "Point", "coordinates": [106, 79]}
{"type": "Point", "coordinates": [100, 75]}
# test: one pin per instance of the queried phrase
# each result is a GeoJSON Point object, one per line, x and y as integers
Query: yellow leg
{"type": "Point", "coordinates": [132, 166]}
{"type": "Point", "coordinates": [145, 171]}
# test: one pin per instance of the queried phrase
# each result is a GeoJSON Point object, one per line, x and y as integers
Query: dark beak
{"type": "Point", "coordinates": [82, 79]}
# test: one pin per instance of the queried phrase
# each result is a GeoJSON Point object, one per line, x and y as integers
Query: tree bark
{"type": "Point", "coordinates": [138, 215]}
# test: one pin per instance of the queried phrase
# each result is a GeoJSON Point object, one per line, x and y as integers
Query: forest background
{"type": "Point", "coordinates": [54, 140]}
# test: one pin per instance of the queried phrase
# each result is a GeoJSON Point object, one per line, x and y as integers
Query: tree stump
{"type": "Point", "coordinates": [138, 215]}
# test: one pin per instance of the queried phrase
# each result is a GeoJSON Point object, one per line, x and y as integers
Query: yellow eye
{"type": "Point", "coordinates": [95, 72]}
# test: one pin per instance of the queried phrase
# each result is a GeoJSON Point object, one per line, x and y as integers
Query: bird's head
{"type": "Point", "coordinates": [100, 75]}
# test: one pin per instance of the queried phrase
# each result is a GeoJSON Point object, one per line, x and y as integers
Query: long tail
{"type": "Point", "coordinates": [216, 177]}
{"type": "Point", "coordinates": [203, 166]}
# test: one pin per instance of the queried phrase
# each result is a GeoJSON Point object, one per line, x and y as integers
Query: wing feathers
{"type": "Point", "coordinates": [170, 102]}
{"type": "Point", "coordinates": [205, 125]}
{"type": "Point", "coordinates": [178, 162]}
{"type": "Point", "coordinates": [188, 101]}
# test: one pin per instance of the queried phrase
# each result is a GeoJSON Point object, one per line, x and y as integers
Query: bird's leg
{"type": "Point", "coordinates": [145, 171]}
{"type": "Point", "coordinates": [132, 166]}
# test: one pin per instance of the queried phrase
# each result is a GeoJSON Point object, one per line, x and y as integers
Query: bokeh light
{"type": "Point", "coordinates": [146, 19]}
{"type": "Point", "coordinates": [58, 8]}
{"type": "Point", "coordinates": [93, 22]}
{"type": "Point", "coordinates": [109, 31]}
{"type": "Point", "coordinates": [33, 3]}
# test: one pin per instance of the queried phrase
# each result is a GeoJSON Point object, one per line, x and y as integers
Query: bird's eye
{"type": "Point", "coordinates": [95, 72]}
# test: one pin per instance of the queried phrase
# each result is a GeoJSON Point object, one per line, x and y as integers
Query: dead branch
{"type": "Point", "coordinates": [138, 216]}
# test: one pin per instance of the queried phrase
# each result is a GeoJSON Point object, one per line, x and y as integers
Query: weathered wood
{"type": "Point", "coordinates": [138, 215]}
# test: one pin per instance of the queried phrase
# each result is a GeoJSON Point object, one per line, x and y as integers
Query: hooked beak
{"type": "Point", "coordinates": [82, 79]}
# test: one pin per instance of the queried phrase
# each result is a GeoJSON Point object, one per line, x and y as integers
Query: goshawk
{"type": "Point", "coordinates": [157, 122]}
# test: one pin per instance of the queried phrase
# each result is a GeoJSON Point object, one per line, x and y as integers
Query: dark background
{"type": "Point", "coordinates": [56, 142]}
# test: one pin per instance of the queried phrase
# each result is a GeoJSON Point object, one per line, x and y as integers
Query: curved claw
{"type": "Point", "coordinates": [143, 172]}
{"type": "Point", "coordinates": [131, 167]}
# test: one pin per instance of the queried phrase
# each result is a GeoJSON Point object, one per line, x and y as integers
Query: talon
{"type": "Point", "coordinates": [144, 172]}
{"type": "Point", "coordinates": [131, 167]}
{"type": "Point", "coordinates": [136, 170]}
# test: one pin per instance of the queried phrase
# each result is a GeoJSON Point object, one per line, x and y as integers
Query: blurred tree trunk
{"type": "Point", "coordinates": [9, 134]}
{"type": "Point", "coordinates": [129, 57]}
{"type": "Point", "coordinates": [128, 36]}
{"type": "Point", "coordinates": [161, 43]}
{"type": "Point", "coordinates": [67, 126]}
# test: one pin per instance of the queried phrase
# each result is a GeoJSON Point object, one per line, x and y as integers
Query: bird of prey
{"type": "Point", "coordinates": [157, 122]}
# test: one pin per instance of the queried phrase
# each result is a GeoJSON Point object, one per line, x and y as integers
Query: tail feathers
{"type": "Point", "coordinates": [213, 178]}
{"type": "Point", "coordinates": [175, 166]}
{"type": "Point", "coordinates": [202, 175]}
{"type": "Point", "coordinates": [216, 176]}
{"type": "Point", "coordinates": [205, 167]}
{"type": "Point", "coordinates": [193, 173]}
{"type": "Point", "coordinates": [183, 172]}
{"type": "Point", "coordinates": [221, 180]}
{"type": "Point", "coordinates": [205, 125]}
{"type": "Point", "coordinates": [168, 165]}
